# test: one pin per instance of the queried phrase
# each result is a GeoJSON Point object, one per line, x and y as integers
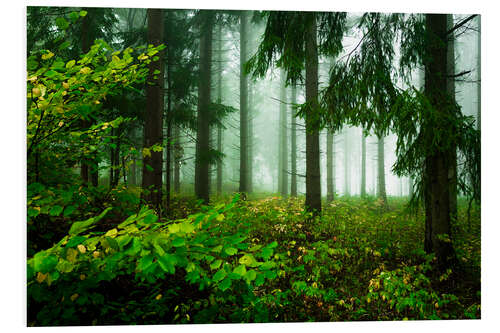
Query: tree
{"type": "Point", "coordinates": [363, 164]}
{"type": "Point", "coordinates": [283, 146]}
{"type": "Point", "coordinates": [153, 125]}
{"type": "Point", "coordinates": [438, 161]}
{"type": "Point", "coordinates": [313, 176]}
{"type": "Point", "coordinates": [202, 159]}
{"type": "Point", "coordinates": [293, 144]}
{"type": "Point", "coordinates": [219, 101]}
{"type": "Point", "coordinates": [330, 192]}
{"type": "Point", "coordinates": [291, 41]}
{"type": "Point", "coordinates": [243, 103]}
{"type": "Point", "coordinates": [346, 163]}
{"type": "Point", "coordinates": [381, 194]}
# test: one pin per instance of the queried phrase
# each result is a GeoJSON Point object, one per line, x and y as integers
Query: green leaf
{"type": "Point", "coordinates": [259, 281]}
{"type": "Point", "coordinates": [225, 284]}
{"type": "Point", "coordinates": [149, 219]}
{"type": "Point", "coordinates": [267, 253]}
{"type": "Point", "coordinates": [251, 275]}
{"type": "Point", "coordinates": [177, 242]}
{"type": "Point", "coordinates": [33, 212]}
{"type": "Point", "coordinates": [248, 260]}
{"type": "Point", "coordinates": [216, 264]}
{"type": "Point", "coordinates": [74, 241]}
{"type": "Point", "coordinates": [219, 275]}
{"type": "Point", "coordinates": [240, 270]}
{"type": "Point", "coordinates": [186, 227]}
{"type": "Point", "coordinates": [230, 250]}
{"type": "Point", "coordinates": [56, 210]}
{"type": "Point", "coordinates": [167, 263]}
{"type": "Point", "coordinates": [81, 226]}
{"type": "Point", "coordinates": [83, 13]}
{"type": "Point", "coordinates": [44, 262]}
{"type": "Point", "coordinates": [74, 16]}
{"type": "Point", "coordinates": [50, 73]}
{"type": "Point", "coordinates": [62, 23]}
{"type": "Point", "coordinates": [68, 210]}
{"type": "Point", "coordinates": [70, 64]}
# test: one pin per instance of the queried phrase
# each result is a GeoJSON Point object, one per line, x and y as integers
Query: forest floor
{"type": "Point", "coordinates": [359, 261]}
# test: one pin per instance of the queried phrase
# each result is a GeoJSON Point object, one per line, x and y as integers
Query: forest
{"type": "Point", "coordinates": [240, 166]}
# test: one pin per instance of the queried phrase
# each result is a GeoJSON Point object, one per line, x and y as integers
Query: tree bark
{"type": "Point", "coordinates": [243, 104]}
{"type": "Point", "coordinates": [313, 175]}
{"type": "Point", "coordinates": [346, 163]}
{"type": "Point", "coordinates": [283, 137]}
{"type": "Point", "coordinates": [363, 164]}
{"type": "Point", "coordinates": [329, 166]}
{"type": "Point", "coordinates": [293, 143]}
{"type": "Point", "coordinates": [450, 88]}
{"type": "Point", "coordinates": [152, 165]}
{"type": "Point", "coordinates": [177, 156]}
{"type": "Point", "coordinates": [437, 162]}
{"type": "Point", "coordinates": [381, 171]}
{"type": "Point", "coordinates": [219, 100]}
{"type": "Point", "coordinates": [202, 189]}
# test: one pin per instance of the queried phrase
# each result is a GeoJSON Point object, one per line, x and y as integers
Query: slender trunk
{"type": "Point", "coordinates": [219, 100]}
{"type": "Point", "coordinates": [363, 164]}
{"type": "Point", "coordinates": [283, 137]}
{"type": "Point", "coordinates": [152, 165]}
{"type": "Point", "coordinates": [202, 190]}
{"type": "Point", "coordinates": [293, 148]}
{"type": "Point", "coordinates": [243, 104]}
{"type": "Point", "coordinates": [313, 174]}
{"type": "Point", "coordinates": [437, 162]}
{"type": "Point", "coordinates": [177, 156]}
{"type": "Point", "coordinates": [168, 164]}
{"type": "Point", "coordinates": [450, 88]}
{"type": "Point", "coordinates": [329, 166]}
{"type": "Point", "coordinates": [478, 72]}
{"type": "Point", "coordinates": [381, 171]}
{"type": "Point", "coordinates": [346, 163]}
{"type": "Point", "coordinates": [250, 139]}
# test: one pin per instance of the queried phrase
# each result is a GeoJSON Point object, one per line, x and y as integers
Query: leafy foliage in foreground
{"type": "Point", "coordinates": [252, 261]}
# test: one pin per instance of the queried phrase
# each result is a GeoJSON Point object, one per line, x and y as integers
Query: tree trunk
{"type": "Point", "coordinates": [177, 156]}
{"type": "Point", "coordinates": [250, 139]}
{"type": "Point", "coordinates": [346, 163]}
{"type": "Point", "coordinates": [202, 189]}
{"type": "Point", "coordinates": [293, 148]}
{"type": "Point", "coordinates": [437, 163]}
{"type": "Point", "coordinates": [329, 166]}
{"type": "Point", "coordinates": [219, 100]}
{"type": "Point", "coordinates": [363, 164]}
{"type": "Point", "coordinates": [168, 164]}
{"type": "Point", "coordinates": [152, 165]}
{"type": "Point", "coordinates": [450, 88]}
{"type": "Point", "coordinates": [478, 72]}
{"type": "Point", "coordinates": [243, 104]}
{"type": "Point", "coordinates": [381, 171]}
{"type": "Point", "coordinates": [313, 175]}
{"type": "Point", "coordinates": [283, 137]}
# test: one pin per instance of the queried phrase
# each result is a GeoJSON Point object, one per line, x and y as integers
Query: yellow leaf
{"type": "Point", "coordinates": [220, 217]}
{"type": "Point", "coordinates": [146, 152]}
{"type": "Point", "coordinates": [33, 78]}
{"type": "Point", "coordinates": [95, 254]}
{"type": "Point", "coordinates": [81, 248]}
{"type": "Point", "coordinates": [73, 297]}
{"type": "Point", "coordinates": [40, 277]}
{"type": "Point", "coordinates": [82, 277]}
{"type": "Point", "coordinates": [47, 55]}
{"type": "Point", "coordinates": [61, 123]}
{"type": "Point", "coordinates": [85, 70]}
{"type": "Point", "coordinates": [65, 85]}
{"type": "Point", "coordinates": [71, 254]}
{"type": "Point", "coordinates": [111, 233]}
{"type": "Point", "coordinates": [158, 297]}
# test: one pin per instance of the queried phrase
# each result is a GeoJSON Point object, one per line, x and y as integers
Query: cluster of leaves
{"type": "Point", "coordinates": [209, 250]}
{"type": "Point", "coordinates": [62, 95]}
